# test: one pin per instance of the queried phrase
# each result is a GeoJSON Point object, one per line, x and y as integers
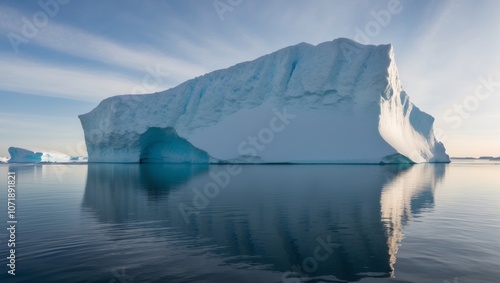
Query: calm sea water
{"type": "Point", "coordinates": [279, 223]}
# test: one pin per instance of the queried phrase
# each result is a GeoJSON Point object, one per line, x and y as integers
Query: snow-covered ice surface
{"type": "Point", "coordinates": [337, 102]}
{"type": "Point", "coordinates": [25, 155]}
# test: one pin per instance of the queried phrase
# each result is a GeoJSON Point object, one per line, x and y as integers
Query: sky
{"type": "Point", "coordinates": [60, 58]}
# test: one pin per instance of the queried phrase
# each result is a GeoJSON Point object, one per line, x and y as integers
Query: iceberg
{"type": "Point", "coordinates": [336, 102]}
{"type": "Point", "coordinates": [4, 159]}
{"type": "Point", "coordinates": [23, 155]}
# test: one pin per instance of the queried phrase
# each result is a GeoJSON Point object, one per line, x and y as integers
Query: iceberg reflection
{"type": "Point", "coordinates": [403, 197]}
{"type": "Point", "coordinates": [294, 221]}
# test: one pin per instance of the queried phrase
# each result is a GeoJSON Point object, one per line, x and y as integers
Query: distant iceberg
{"type": "Point", "coordinates": [24, 155]}
{"type": "Point", "coordinates": [337, 102]}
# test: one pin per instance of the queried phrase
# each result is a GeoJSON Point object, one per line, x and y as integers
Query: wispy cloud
{"type": "Point", "coordinates": [76, 42]}
{"type": "Point", "coordinates": [444, 61]}
{"type": "Point", "coordinates": [41, 78]}
{"type": "Point", "coordinates": [82, 44]}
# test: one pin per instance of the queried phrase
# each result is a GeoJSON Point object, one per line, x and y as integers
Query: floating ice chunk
{"type": "Point", "coordinates": [24, 155]}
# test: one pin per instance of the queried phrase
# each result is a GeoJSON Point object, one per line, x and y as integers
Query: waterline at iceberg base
{"type": "Point", "coordinates": [300, 104]}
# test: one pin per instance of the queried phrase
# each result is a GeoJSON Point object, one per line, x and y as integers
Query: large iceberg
{"type": "Point", "coordinates": [336, 102]}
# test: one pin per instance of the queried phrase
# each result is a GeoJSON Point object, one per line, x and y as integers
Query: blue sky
{"type": "Point", "coordinates": [60, 59]}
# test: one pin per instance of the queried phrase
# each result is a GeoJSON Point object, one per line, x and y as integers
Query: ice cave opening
{"type": "Point", "coordinates": [164, 145]}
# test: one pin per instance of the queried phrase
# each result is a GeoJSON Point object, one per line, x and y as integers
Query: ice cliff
{"type": "Point", "coordinates": [337, 102]}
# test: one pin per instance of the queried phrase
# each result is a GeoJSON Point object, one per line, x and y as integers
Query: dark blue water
{"type": "Point", "coordinates": [279, 223]}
